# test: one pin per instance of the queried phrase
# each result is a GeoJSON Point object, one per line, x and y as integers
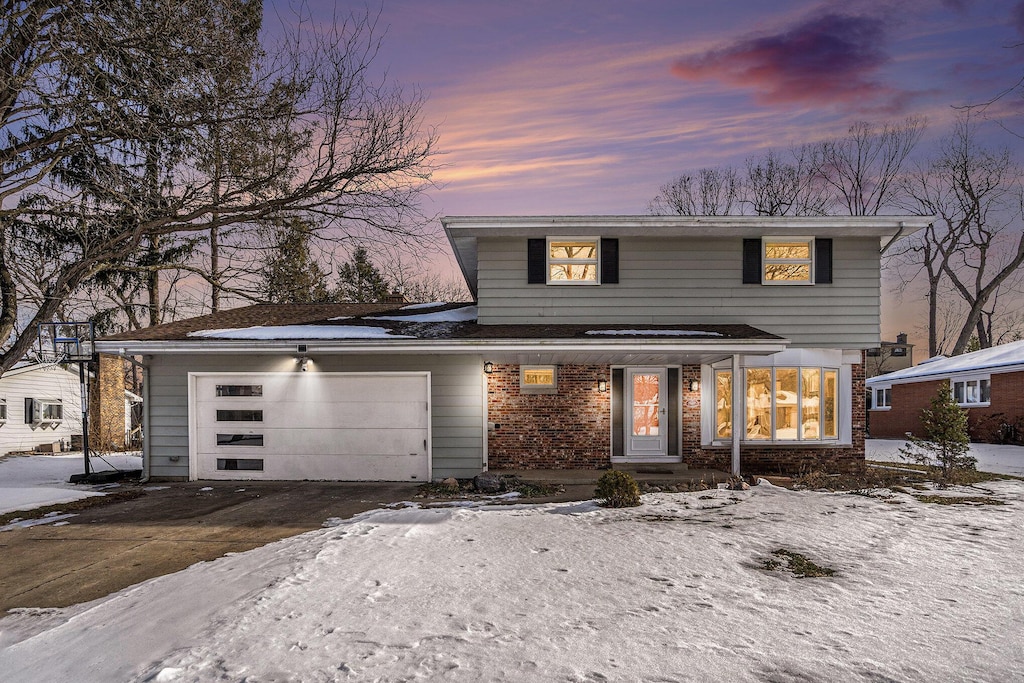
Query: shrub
{"type": "Point", "coordinates": [618, 490]}
{"type": "Point", "coordinates": [945, 443]}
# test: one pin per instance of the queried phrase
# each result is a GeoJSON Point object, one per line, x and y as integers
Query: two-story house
{"type": "Point", "coordinates": [729, 342]}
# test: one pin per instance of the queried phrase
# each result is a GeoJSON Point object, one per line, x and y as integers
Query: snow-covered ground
{"type": "Point", "coordinates": [31, 481]}
{"type": "Point", "coordinates": [991, 457]}
{"type": "Point", "coordinates": [674, 590]}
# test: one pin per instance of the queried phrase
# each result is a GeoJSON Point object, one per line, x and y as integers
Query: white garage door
{"type": "Point", "coordinates": [310, 425]}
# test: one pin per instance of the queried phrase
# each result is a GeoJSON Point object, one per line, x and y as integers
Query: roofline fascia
{"type": "Point", "coordinates": [947, 374]}
{"type": "Point", "coordinates": [723, 225]}
{"type": "Point", "coordinates": [754, 346]}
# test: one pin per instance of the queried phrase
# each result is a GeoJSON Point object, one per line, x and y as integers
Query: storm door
{"type": "Point", "coordinates": [646, 414]}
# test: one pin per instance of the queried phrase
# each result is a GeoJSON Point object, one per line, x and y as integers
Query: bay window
{"type": "Point", "coordinates": [781, 404]}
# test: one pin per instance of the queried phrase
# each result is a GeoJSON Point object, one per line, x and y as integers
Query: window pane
{"type": "Point", "coordinates": [958, 392]}
{"type": "Point", "coordinates": [586, 272]}
{"type": "Point", "coordinates": [794, 272]}
{"type": "Point", "coordinates": [240, 464]}
{"type": "Point", "coordinates": [787, 250]}
{"type": "Point", "coordinates": [52, 411]}
{"type": "Point", "coordinates": [573, 250]}
{"type": "Point", "coordinates": [239, 439]}
{"type": "Point", "coordinates": [759, 403]}
{"type": "Point", "coordinates": [787, 413]}
{"type": "Point", "coordinates": [888, 397]}
{"type": "Point", "coordinates": [539, 377]}
{"type": "Point", "coordinates": [239, 416]}
{"type": "Point", "coordinates": [986, 391]}
{"type": "Point", "coordinates": [972, 391]}
{"type": "Point", "coordinates": [723, 404]}
{"type": "Point", "coordinates": [239, 389]}
{"type": "Point", "coordinates": [3, 411]}
{"type": "Point", "coordinates": [810, 403]}
{"type": "Point", "coordinates": [646, 394]}
{"type": "Point", "coordinates": [829, 413]}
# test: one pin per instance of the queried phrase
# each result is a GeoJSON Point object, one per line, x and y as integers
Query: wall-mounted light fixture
{"type": "Point", "coordinates": [488, 367]}
{"type": "Point", "coordinates": [695, 385]}
{"type": "Point", "coordinates": [303, 363]}
{"type": "Point", "coordinates": [602, 385]}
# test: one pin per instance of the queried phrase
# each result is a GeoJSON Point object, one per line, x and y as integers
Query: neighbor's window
{"type": "Point", "coordinates": [3, 410]}
{"type": "Point", "coordinates": [972, 392]}
{"type": "Point", "coordinates": [882, 397]}
{"type": "Point", "coordinates": [43, 410]}
{"type": "Point", "coordinates": [787, 260]}
{"type": "Point", "coordinates": [572, 260]}
{"type": "Point", "coordinates": [538, 379]}
{"type": "Point", "coordinates": [792, 404]}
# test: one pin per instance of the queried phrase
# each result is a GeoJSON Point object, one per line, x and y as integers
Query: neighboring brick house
{"type": "Point", "coordinates": [591, 341]}
{"type": "Point", "coordinates": [989, 384]}
{"type": "Point", "coordinates": [889, 357]}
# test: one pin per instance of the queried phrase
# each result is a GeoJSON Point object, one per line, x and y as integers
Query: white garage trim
{"type": "Point", "coordinates": [345, 426]}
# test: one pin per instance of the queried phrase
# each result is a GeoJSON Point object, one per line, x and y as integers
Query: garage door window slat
{"type": "Point", "coordinates": [240, 464]}
{"type": "Point", "coordinates": [239, 415]}
{"type": "Point", "coordinates": [239, 389]}
{"type": "Point", "coordinates": [239, 439]}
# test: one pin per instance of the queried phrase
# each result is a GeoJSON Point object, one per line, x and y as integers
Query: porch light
{"type": "Point", "coordinates": [488, 367]}
{"type": "Point", "coordinates": [303, 363]}
{"type": "Point", "coordinates": [695, 385]}
{"type": "Point", "coordinates": [602, 385]}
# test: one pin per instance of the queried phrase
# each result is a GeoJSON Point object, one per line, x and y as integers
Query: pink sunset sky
{"type": "Point", "coordinates": [589, 106]}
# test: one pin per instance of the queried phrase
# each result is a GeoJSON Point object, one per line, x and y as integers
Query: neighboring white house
{"type": "Point", "coordinates": [39, 404]}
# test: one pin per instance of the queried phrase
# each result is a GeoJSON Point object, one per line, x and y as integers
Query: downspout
{"type": "Point", "coordinates": [899, 233]}
{"type": "Point", "coordinates": [737, 415]}
{"type": "Point", "coordinates": [145, 425]}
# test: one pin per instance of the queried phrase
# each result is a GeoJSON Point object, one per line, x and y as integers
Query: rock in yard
{"type": "Point", "coordinates": [486, 482]}
{"type": "Point", "coordinates": [451, 483]}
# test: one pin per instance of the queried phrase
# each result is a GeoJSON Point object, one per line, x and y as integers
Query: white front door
{"type": "Point", "coordinates": [646, 408]}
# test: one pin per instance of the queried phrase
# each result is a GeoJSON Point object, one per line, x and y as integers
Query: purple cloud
{"type": "Point", "coordinates": [823, 60]}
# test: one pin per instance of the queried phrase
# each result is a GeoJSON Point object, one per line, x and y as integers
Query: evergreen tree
{"type": "Point", "coordinates": [360, 281]}
{"type": "Point", "coordinates": [946, 443]}
{"type": "Point", "coordinates": [291, 274]}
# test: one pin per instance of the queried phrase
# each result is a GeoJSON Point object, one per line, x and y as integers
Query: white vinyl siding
{"type": "Point", "coordinates": [46, 383]}
{"type": "Point", "coordinates": [692, 281]}
{"type": "Point", "coordinates": [456, 403]}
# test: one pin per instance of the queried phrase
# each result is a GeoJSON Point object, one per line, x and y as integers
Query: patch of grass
{"type": "Point", "coordinates": [801, 567]}
{"type": "Point", "coordinates": [512, 483]}
{"type": "Point", "coordinates": [73, 506]}
{"type": "Point", "coordinates": [960, 500]}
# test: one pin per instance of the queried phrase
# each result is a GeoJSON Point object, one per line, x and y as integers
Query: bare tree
{"type": "Point", "coordinates": [778, 187]}
{"type": "Point", "coordinates": [104, 171]}
{"type": "Point", "coordinates": [977, 242]}
{"type": "Point", "coordinates": [862, 168]}
{"type": "Point", "coordinates": [707, 192]}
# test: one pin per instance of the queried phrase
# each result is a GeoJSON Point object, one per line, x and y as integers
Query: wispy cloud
{"type": "Point", "coordinates": [828, 59]}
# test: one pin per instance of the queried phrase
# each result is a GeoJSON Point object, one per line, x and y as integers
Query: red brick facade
{"type": "Point", "coordinates": [1006, 407]}
{"type": "Point", "coordinates": [572, 429]}
{"type": "Point", "coordinates": [106, 405]}
{"type": "Point", "coordinates": [567, 430]}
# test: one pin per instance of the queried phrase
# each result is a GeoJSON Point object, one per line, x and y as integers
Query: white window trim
{"type": "Point", "coordinates": [548, 261]}
{"type": "Point", "coordinates": [874, 389]}
{"type": "Point", "coordinates": [39, 406]}
{"type": "Point", "coordinates": [525, 388]}
{"type": "Point", "coordinates": [3, 406]}
{"type": "Point", "coordinates": [843, 415]}
{"type": "Point", "coordinates": [971, 378]}
{"type": "Point", "coordinates": [765, 261]}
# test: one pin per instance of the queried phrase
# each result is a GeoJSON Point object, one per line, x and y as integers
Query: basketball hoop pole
{"type": "Point", "coordinates": [83, 388]}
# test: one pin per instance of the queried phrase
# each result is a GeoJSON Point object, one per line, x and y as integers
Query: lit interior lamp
{"type": "Point", "coordinates": [602, 385]}
{"type": "Point", "coordinates": [488, 367]}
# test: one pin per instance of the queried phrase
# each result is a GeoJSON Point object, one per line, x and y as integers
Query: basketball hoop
{"type": "Point", "coordinates": [66, 342]}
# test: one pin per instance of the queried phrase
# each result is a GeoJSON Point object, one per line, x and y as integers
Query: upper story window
{"type": "Point", "coordinates": [899, 351]}
{"type": "Point", "coordinates": [972, 392]}
{"type": "Point", "coordinates": [573, 260]}
{"type": "Point", "coordinates": [787, 260]}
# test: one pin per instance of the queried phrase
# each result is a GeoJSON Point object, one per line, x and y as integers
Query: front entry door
{"type": "Point", "coordinates": [646, 418]}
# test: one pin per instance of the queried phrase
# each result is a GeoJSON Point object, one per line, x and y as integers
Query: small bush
{"type": "Point", "coordinates": [618, 490]}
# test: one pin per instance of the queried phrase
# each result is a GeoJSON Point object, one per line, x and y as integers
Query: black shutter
{"type": "Point", "coordinates": [28, 410]}
{"type": "Point", "coordinates": [610, 261]}
{"type": "Point", "coordinates": [823, 261]}
{"type": "Point", "coordinates": [751, 261]}
{"type": "Point", "coordinates": [536, 261]}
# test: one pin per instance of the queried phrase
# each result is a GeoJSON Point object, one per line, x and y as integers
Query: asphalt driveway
{"type": "Point", "coordinates": [108, 547]}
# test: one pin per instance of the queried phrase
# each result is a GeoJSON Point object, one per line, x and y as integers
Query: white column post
{"type": "Point", "coordinates": [738, 422]}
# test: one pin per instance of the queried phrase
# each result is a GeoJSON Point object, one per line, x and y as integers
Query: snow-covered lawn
{"type": "Point", "coordinates": [674, 590]}
{"type": "Point", "coordinates": [32, 481]}
{"type": "Point", "coordinates": [991, 457]}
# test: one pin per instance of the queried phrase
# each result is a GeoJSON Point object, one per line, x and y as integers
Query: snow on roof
{"type": "Point", "coordinates": [454, 315]}
{"type": "Point", "coordinates": [429, 304]}
{"type": "Point", "coordinates": [301, 332]}
{"type": "Point", "coordinates": [1004, 356]}
{"type": "Point", "coordinates": [656, 333]}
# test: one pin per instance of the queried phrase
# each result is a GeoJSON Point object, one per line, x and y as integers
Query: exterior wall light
{"type": "Point", "coordinates": [488, 367]}
{"type": "Point", "coordinates": [303, 363]}
{"type": "Point", "coordinates": [695, 385]}
{"type": "Point", "coordinates": [602, 385]}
